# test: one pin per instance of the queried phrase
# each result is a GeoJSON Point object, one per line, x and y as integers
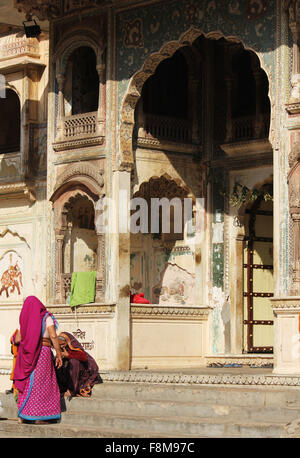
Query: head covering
{"type": "Point", "coordinates": [83, 375]}
{"type": "Point", "coordinates": [71, 341]}
{"type": "Point", "coordinates": [31, 320]}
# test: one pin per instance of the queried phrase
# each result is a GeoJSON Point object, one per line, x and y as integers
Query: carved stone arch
{"type": "Point", "coordinates": [133, 94]}
{"type": "Point", "coordinates": [79, 176]}
{"type": "Point", "coordinates": [166, 181]}
{"type": "Point", "coordinates": [73, 42]}
{"type": "Point", "coordinates": [61, 201]}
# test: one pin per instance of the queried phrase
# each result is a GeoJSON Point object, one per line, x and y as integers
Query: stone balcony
{"type": "Point", "coordinates": [81, 130]}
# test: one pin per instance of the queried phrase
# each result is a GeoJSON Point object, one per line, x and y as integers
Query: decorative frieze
{"type": "Point", "coordinates": [14, 46]}
{"type": "Point", "coordinates": [172, 312]}
{"type": "Point", "coordinates": [94, 309]}
{"type": "Point", "coordinates": [198, 379]}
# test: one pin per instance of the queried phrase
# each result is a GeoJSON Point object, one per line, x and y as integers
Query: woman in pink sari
{"type": "Point", "coordinates": [34, 374]}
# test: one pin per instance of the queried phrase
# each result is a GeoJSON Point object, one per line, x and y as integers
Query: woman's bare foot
{"type": "Point", "coordinates": [20, 421]}
{"type": "Point", "coordinates": [68, 394]}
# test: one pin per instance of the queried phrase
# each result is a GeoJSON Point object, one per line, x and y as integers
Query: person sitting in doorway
{"type": "Point", "coordinates": [79, 372]}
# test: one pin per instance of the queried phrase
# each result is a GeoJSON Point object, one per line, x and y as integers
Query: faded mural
{"type": "Point", "coordinates": [11, 276]}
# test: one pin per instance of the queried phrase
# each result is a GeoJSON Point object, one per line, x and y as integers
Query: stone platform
{"type": "Point", "coordinates": [222, 402]}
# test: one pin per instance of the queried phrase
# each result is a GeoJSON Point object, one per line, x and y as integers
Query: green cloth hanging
{"type": "Point", "coordinates": [83, 288]}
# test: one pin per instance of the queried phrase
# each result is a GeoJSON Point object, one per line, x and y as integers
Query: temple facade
{"type": "Point", "coordinates": [131, 101]}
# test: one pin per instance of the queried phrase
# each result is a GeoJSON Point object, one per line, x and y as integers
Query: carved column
{"type": "Point", "coordinates": [102, 97]}
{"type": "Point", "coordinates": [287, 309]}
{"type": "Point", "coordinates": [100, 279]}
{"type": "Point", "coordinates": [59, 287]}
{"type": "Point", "coordinates": [61, 104]}
{"type": "Point", "coordinates": [258, 117]}
{"type": "Point", "coordinates": [294, 202]}
{"type": "Point", "coordinates": [228, 81]}
{"type": "Point", "coordinates": [293, 9]}
{"type": "Point", "coordinates": [229, 135]}
{"type": "Point", "coordinates": [193, 90]}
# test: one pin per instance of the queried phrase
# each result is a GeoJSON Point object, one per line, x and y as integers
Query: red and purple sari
{"type": "Point", "coordinates": [34, 373]}
{"type": "Point", "coordinates": [80, 372]}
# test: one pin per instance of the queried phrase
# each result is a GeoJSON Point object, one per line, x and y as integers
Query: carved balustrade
{"type": "Point", "coordinates": [79, 125]}
{"type": "Point", "coordinates": [166, 128]}
{"type": "Point", "coordinates": [80, 130]}
{"type": "Point", "coordinates": [250, 127]}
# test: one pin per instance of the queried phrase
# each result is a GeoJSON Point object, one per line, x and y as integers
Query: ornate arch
{"type": "Point", "coordinates": [133, 94]}
{"type": "Point", "coordinates": [69, 43]}
{"type": "Point", "coordinates": [79, 176]}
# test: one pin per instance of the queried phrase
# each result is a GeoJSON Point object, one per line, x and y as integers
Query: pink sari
{"type": "Point", "coordinates": [34, 376]}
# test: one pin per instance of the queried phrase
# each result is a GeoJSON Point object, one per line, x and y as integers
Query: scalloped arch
{"type": "Point", "coordinates": [133, 93]}
{"type": "Point", "coordinates": [14, 234]}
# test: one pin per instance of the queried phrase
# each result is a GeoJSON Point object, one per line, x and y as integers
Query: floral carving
{"type": "Point", "coordinates": [133, 34]}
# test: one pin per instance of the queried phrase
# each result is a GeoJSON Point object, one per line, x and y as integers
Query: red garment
{"type": "Point", "coordinates": [138, 299]}
{"type": "Point", "coordinates": [77, 355]}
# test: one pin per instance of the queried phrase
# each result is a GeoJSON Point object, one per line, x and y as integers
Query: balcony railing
{"type": "Point", "coordinates": [166, 128]}
{"type": "Point", "coordinates": [249, 127]}
{"type": "Point", "coordinates": [80, 130]}
{"type": "Point", "coordinates": [80, 125]}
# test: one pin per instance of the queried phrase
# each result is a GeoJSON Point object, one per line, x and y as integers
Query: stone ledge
{"type": "Point", "coordinates": [257, 360]}
{"type": "Point", "coordinates": [198, 379]}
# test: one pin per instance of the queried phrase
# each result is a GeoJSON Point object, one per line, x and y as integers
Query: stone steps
{"type": "Point", "coordinates": [178, 408]}
{"type": "Point", "coordinates": [110, 426]}
{"type": "Point", "coordinates": [145, 410]}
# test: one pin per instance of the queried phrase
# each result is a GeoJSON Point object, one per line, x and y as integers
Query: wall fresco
{"type": "Point", "coordinates": [252, 21]}
{"type": "Point", "coordinates": [11, 276]}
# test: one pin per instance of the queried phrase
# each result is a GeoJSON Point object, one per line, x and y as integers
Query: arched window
{"type": "Point", "coordinates": [82, 82]}
{"type": "Point", "coordinates": [10, 115]}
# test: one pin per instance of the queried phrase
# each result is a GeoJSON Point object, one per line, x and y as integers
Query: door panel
{"type": "Point", "coordinates": [258, 283]}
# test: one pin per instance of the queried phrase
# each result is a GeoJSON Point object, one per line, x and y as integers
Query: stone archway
{"type": "Point", "coordinates": [83, 181]}
{"type": "Point", "coordinates": [133, 94]}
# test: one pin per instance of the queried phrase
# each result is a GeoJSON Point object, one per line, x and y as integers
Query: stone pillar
{"type": "Point", "coordinates": [292, 8]}
{"type": "Point", "coordinates": [287, 309]}
{"type": "Point", "coordinates": [193, 104]}
{"type": "Point", "coordinates": [229, 135]}
{"type": "Point", "coordinates": [59, 290]}
{"type": "Point", "coordinates": [294, 202]}
{"type": "Point", "coordinates": [122, 344]}
{"type": "Point", "coordinates": [61, 105]}
{"type": "Point", "coordinates": [258, 124]}
{"type": "Point", "coordinates": [100, 280]}
{"type": "Point", "coordinates": [228, 50]}
{"type": "Point", "coordinates": [102, 98]}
